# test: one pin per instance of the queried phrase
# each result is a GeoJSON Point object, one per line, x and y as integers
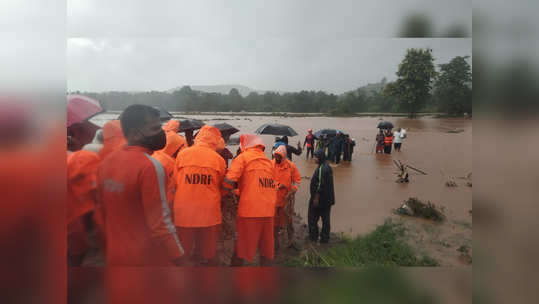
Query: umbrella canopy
{"type": "Point", "coordinates": [226, 129]}
{"type": "Point", "coordinates": [190, 125]}
{"type": "Point", "coordinates": [164, 115]}
{"type": "Point", "coordinates": [385, 125]}
{"type": "Point", "coordinates": [328, 132]}
{"type": "Point", "coordinates": [80, 108]}
{"type": "Point", "coordinates": [276, 129]}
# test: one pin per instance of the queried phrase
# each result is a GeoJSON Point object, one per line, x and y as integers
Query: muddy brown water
{"type": "Point", "coordinates": [365, 189]}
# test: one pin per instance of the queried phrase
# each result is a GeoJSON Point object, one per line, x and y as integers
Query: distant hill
{"type": "Point", "coordinates": [370, 88]}
{"type": "Point", "coordinates": [223, 89]}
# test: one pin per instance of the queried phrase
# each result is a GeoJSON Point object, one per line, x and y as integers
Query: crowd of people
{"type": "Point", "coordinates": [153, 199]}
{"type": "Point", "coordinates": [334, 147]}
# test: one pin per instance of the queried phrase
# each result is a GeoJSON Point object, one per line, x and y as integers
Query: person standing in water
{"type": "Point", "coordinates": [309, 141]}
{"type": "Point", "coordinates": [322, 198]}
{"type": "Point", "coordinates": [399, 136]}
{"type": "Point", "coordinates": [388, 141]}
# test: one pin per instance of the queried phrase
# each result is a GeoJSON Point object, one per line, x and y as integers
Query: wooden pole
{"type": "Point", "coordinates": [415, 169]}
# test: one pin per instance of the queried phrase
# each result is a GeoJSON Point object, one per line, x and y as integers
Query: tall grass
{"type": "Point", "coordinates": [384, 247]}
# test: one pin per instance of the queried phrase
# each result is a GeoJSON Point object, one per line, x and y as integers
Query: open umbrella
{"type": "Point", "coordinates": [190, 125]}
{"type": "Point", "coordinates": [276, 129]}
{"type": "Point", "coordinates": [226, 129]}
{"type": "Point", "coordinates": [81, 108]}
{"type": "Point", "coordinates": [327, 132]}
{"type": "Point", "coordinates": [164, 115]}
{"type": "Point", "coordinates": [385, 125]}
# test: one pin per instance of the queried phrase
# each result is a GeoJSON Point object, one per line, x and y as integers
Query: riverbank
{"type": "Point", "coordinates": [293, 115]}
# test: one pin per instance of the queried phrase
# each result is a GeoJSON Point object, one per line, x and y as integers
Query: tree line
{"type": "Point", "coordinates": [418, 88]}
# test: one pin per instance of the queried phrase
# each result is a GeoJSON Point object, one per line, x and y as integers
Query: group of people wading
{"type": "Point", "coordinates": [385, 139]}
{"type": "Point", "coordinates": [334, 147]}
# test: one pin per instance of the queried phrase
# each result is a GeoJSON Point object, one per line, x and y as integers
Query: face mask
{"type": "Point", "coordinates": [155, 142]}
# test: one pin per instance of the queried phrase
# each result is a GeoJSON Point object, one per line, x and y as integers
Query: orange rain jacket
{"type": "Point", "coordinates": [81, 183]}
{"type": "Point", "coordinates": [286, 174]}
{"type": "Point", "coordinates": [254, 174]}
{"type": "Point", "coordinates": [165, 157]}
{"type": "Point", "coordinates": [139, 229]}
{"type": "Point", "coordinates": [81, 197]}
{"type": "Point", "coordinates": [199, 174]}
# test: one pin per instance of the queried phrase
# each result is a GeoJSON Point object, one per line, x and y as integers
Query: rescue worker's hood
{"type": "Point", "coordinates": [281, 150]}
{"type": "Point", "coordinates": [208, 136]}
{"type": "Point", "coordinates": [172, 125]}
{"type": "Point", "coordinates": [113, 138]}
{"type": "Point", "coordinates": [250, 141]}
{"type": "Point", "coordinates": [221, 144]}
{"type": "Point", "coordinates": [173, 143]}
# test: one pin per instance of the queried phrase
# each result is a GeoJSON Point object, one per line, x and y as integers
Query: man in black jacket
{"type": "Point", "coordinates": [322, 198]}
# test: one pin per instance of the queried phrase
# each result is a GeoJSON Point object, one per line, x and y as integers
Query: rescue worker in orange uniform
{"type": "Point", "coordinates": [132, 189]}
{"type": "Point", "coordinates": [113, 140]}
{"type": "Point", "coordinates": [253, 174]}
{"type": "Point", "coordinates": [197, 203]}
{"type": "Point", "coordinates": [388, 141]}
{"type": "Point", "coordinates": [167, 158]}
{"type": "Point", "coordinates": [81, 200]}
{"type": "Point", "coordinates": [288, 179]}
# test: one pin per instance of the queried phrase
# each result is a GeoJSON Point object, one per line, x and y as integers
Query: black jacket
{"type": "Point", "coordinates": [322, 182]}
{"type": "Point", "coordinates": [290, 150]}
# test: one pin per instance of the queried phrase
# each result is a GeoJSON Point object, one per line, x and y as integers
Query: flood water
{"type": "Point", "coordinates": [365, 189]}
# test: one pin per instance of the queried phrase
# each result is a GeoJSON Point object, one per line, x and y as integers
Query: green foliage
{"type": "Point", "coordinates": [373, 285]}
{"type": "Point", "coordinates": [383, 246]}
{"type": "Point", "coordinates": [453, 92]}
{"type": "Point", "coordinates": [412, 89]}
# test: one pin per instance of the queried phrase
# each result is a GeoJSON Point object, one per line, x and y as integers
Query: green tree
{"type": "Point", "coordinates": [235, 100]}
{"type": "Point", "coordinates": [453, 92]}
{"type": "Point", "coordinates": [413, 86]}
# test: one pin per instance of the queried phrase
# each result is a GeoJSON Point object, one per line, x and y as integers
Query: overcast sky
{"type": "Point", "coordinates": [266, 45]}
{"type": "Point", "coordinates": [283, 64]}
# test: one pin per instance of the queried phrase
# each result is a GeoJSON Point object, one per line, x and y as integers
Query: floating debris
{"type": "Point", "coordinates": [451, 183]}
{"type": "Point", "coordinates": [456, 131]}
{"type": "Point", "coordinates": [414, 207]}
{"type": "Point", "coordinates": [465, 254]}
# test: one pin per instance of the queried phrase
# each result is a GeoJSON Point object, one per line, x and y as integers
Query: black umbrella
{"type": "Point", "coordinates": [164, 115]}
{"type": "Point", "coordinates": [226, 129]}
{"type": "Point", "coordinates": [385, 125]}
{"type": "Point", "coordinates": [327, 132]}
{"type": "Point", "coordinates": [276, 129]}
{"type": "Point", "coordinates": [190, 125]}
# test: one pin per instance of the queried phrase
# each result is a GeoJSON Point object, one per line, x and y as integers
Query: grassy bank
{"type": "Point", "coordinates": [384, 246]}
